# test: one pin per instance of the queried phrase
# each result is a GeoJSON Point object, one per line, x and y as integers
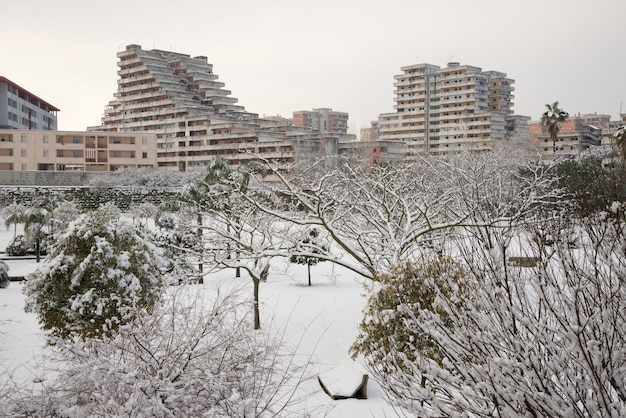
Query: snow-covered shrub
{"type": "Point", "coordinates": [308, 250]}
{"type": "Point", "coordinates": [386, 338]}
{"type": "Point", "coordinates": [180, 248]}
{"type": "Point", "coordinates": [193, 356]}
{"type": "Point", "coordinates": [97, 276]}
{"type": "Point", "coordinates": [17, 246]}
{"type": "Point", "coordinates": [165, 220]}
{"type": "Point", "coordinates": [547, 340]}
{"type": "Point", "coordinates": [4, 275]}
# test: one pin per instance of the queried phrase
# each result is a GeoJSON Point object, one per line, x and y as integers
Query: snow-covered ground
{"type": "Point", "coordinates": [321, 319]}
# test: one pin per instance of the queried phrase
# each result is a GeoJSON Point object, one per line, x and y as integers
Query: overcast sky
{"type": "Point", "coordinates": [278, 56]}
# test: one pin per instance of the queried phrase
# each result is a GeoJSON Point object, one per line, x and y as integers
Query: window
{"type": "Point", "coordinates": [117, 154]}
{"type": "Point", "coordinates": [76, 140]}
{"type": "Point", "coordinates": [23, 138]}
{"type": "Point", "coordinates": [24, 167]}
{"type": "Point", "coordinates": [45, 139]}
{"type": "Point", "coordinates": [144, 155]}
{"type": "Point", "coordinates": [24, 154]}
{"type": "Point", "coordinates": [77, 154]}
{"type": "Point", "coordinates": [144, 140]}
{"type": "Point", "coordinates": [46, 154]}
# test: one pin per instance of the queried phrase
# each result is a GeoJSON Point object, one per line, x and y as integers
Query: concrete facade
{"type": "Point", "coordinates": [322, 120]}
{"type": "Point", "coordinates": [446, 110]}
{"type": "Point", "coordinates": [194, 118]}
{"type": "Point", "coordinates": [53, 151]}
{"type": "Point", "coordinates": [20, 109]}
{"type": "Point", "coordinates": [577, 135]}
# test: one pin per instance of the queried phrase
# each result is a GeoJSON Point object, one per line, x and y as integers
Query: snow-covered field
{"type": "Point", "coordinates": [321, 319]}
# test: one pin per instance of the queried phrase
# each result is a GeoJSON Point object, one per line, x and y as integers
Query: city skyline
{"type": "Point", "coordinates": [278, 57]}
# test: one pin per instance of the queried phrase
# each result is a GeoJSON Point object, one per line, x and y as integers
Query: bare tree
{"type": "Point", "coordinates": [193, 356]}
{"type": "Point", "coordinates": [234, 233]}
{"type": "Point", "coordinates": [542, 339]}
{"type": "Point", "coordinates": [381, 216]}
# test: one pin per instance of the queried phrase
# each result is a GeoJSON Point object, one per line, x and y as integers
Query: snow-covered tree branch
{"type": "Point", "coordinates": [382, 215]}
{"type": "Point", "coordinates": [545, 339]}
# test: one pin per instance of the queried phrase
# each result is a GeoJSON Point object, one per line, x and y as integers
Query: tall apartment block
{"type": "Point", "coordinates": [179, 98]}
{"type": "Point", "coordinates": [443, 110]}
{"type": "Point", "coordinates": [322, 120]}
{"type": "Point", "coordinates": [20, 109]}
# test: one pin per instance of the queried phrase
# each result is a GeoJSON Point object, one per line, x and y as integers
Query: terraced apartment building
{"type": "Point", "coordinates": [179, 99]}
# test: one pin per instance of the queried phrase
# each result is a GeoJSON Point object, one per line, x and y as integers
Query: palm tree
{"type": "Point", "coordinates": [552, 119]}
{"type": "Point", "coordinates": [13, 214]}
{"type": "Point", "coordinates": [35, 220]}
{"type": "Point", "coordinates": [212, 193]}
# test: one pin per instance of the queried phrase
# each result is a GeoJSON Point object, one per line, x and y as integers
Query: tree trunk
{"type": "Point", "coordinates": [200, 265]}
{"type": "Point", "coordinates": [257, 318]}
{"type": "Point", "coordinates": [37, 245]}
{"type": "Point", "coordinates": [238, 269]}
{"type": "Point", "coordinates": [309, 270]}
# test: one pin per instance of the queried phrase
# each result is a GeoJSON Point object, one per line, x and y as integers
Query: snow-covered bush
{"type": "Point", "coordinates": [193, 356]}
{"type": "Point", "coordinates": [308, 250]}
{"type": "Point", "coordinates": [386, 337]}
{"type": "Point", "coordinates": [180, 246]}
{"type": "Point", "coordinates": [4, 275]}
{"type": "Point", "coordinates": [97, 276]}
{"type": "Point", "coordinates": [17, 246]}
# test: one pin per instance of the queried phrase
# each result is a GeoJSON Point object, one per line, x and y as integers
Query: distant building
{"type": "Point", "coordinates": [371, 133]}
{"type": "Point", "coordinates": [322, 120]}
{"type": "Point", "coordinates": [446, 110]}
{"type": "Point", "coordinates": [577, 134]}
{"type": "Point", "coordinates": [21, 109]}
{"type": "Point", "coordinates": [179, 98]}
{"type": "Point", "coordinates": [517, 127]}
{"type": "Point", "coordinates": [599, 121]}
{"type": "Point", "coordinates": [50, 151]}
{"type": "Point", "coordinates": [374, 151]}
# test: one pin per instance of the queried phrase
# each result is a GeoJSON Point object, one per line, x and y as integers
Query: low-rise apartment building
{"type": "Point", "coordinates": [35, 150]}
{"type": "Point", "coordinates": [322, 120]}
{"type": "Point", "coordinates": [576, 136]}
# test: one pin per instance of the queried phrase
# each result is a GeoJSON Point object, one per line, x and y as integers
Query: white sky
{"type": "Point", "coordinates": [277, 56]}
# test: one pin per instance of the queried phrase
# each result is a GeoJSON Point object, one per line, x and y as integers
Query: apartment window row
{"type": "Point", "coordinates": [26, 109]}
{"type": "Point", "coordinates": [118, 154]}
{"type": "Point", "coordinates": [12, 116]}
{"type": "Point", "coordinates": [12, 103]}
{"type": "Point", "coordinates": [30, 124]}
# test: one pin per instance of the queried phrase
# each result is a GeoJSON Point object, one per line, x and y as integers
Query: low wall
{"type": "Point", "coordinates": [45, 178]}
